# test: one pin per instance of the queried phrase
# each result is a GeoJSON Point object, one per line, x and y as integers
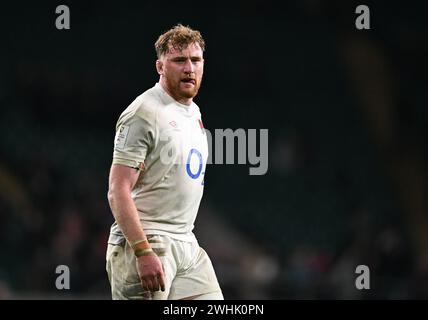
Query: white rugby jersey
{"type": "Point", "coordinates": [169, 139]}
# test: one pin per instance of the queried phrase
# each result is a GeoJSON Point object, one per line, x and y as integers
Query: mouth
{"type": "Point", "coordinates": [189, 81]}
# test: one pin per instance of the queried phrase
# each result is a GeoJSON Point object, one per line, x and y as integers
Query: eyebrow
{"type": "Point", "coordinates": [185, 58]}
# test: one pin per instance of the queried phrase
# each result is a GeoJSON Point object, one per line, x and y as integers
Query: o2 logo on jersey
{"type": "Point", "coordinates": [194, 155]}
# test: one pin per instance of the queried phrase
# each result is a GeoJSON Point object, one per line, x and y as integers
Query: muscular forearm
{"type": "Point", "coordinates": [149, 267]}
{"type": "Point", "coordinates": [126, 214]}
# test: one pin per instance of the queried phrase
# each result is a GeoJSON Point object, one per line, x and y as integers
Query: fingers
{"type": "Point", "coordinates": [152, 273]}
{"type": "Point", "coordinates": [147, 284]}
{"type": "Point", "coordinates": [161, 279]}
{"type": "Point", "coordinates": [154, 283]}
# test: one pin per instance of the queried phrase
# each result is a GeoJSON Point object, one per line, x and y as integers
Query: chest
{"type": "Point", "coordinates": [182, 133]}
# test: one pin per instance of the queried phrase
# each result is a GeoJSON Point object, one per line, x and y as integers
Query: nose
{"type": "Point", "coordinates": [189, 67]}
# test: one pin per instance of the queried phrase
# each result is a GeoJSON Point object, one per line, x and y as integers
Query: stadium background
{"type": "Point", "coordinates": [347, 118]}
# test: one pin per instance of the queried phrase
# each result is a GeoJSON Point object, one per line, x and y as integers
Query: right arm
{"type": "Point", "coordinates": [121, 182]}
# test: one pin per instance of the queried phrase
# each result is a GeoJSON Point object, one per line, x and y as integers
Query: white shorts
{"type": "Point", "coordinates": [188, 270]}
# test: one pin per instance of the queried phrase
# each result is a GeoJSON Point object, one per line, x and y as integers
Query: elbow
{"type": "Point", "coordinates": [110, 197]}
{"type": "Point", "coordinates": [116, 194]}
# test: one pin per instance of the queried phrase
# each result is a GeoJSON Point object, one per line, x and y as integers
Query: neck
{"type": "Point", "coordinates": [185, 101]}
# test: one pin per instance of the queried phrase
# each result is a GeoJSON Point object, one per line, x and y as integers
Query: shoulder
{"type": "Point", "coordinates": [145, 106]}
{"type": "Point", "coordinates": [196, 109]}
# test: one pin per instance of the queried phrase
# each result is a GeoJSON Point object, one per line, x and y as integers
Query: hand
{"type": "Point", "coordinates": [150, 270]}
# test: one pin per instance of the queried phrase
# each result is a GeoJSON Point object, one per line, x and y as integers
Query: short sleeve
{"type": "Point", "coordinates": [133, 141]}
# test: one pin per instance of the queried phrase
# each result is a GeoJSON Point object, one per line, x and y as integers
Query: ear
{"type": "Point", "coordinates": [159, 67]}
